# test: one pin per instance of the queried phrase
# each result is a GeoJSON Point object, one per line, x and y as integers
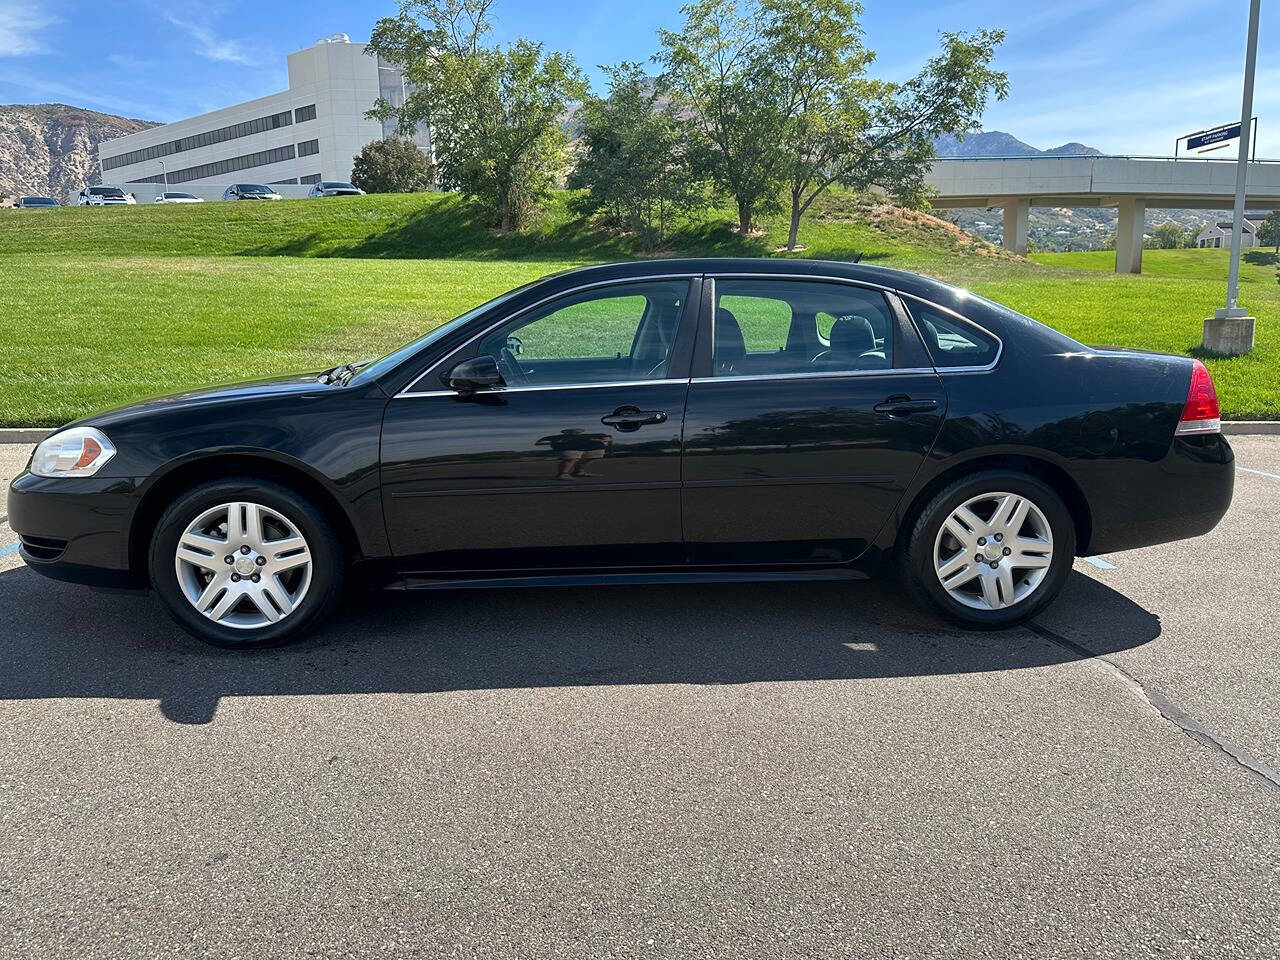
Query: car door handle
{"type": "Point", "coordinates": [633, 418]}
{"type": "Point", "coordinates": [903, 406]}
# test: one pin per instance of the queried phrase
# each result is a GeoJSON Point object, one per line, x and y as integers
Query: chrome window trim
{"type": "Point", "coordinates": [967, 322]}
{"type": "Point", "coordinates": [408, 391]}
{"type": "Point", "coordinates": [820, 375]}
{"type": "Point", "coordinates": [499, 391]}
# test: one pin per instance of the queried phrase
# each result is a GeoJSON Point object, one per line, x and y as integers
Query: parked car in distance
{"type": "Point", "coordinates": [334, 188]}
{"type": "Point", "coordinates": [36, 203]}
{"type": "Point", "coordinates": [172, 196]}
{"type": "Point", "coordinates": [104, 197]}
{"type": "Point", "coordinates": [660, 421]}
{"type": "Point", "coordinates": [250, 191]}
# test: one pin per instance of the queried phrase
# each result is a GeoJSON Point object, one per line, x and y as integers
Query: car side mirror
{"type": "Point", "coordinates": [475, 374]}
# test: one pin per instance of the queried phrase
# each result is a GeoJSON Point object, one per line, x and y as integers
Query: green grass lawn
{"type": "Point", "coordinates": [101, 306]}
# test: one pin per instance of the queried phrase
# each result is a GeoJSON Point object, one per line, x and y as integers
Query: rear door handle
{"type": "Point", "coordinates": [633, 418]}
{"type": "Point", "coordinates": [903, 406]}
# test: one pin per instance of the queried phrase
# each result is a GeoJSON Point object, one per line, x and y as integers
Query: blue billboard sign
{"type": "Point", "coordinates": [1208, 138]}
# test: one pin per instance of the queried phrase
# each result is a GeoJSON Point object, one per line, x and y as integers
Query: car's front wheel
{"type": "Point", "coordinates": [245, 563]}
{"type": "Point", "coordinates": [991, 550]}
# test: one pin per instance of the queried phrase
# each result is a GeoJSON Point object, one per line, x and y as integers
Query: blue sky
{"type": "Point", "coordinates": [1121, 75]}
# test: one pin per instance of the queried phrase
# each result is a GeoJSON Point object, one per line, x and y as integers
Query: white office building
{"type": "Point", "coordinates": [308, 133]}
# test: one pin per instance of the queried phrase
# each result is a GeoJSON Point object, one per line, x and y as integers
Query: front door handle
{"type": "Point", "coordinates": [904, 406]}
{"type": "Point", "coordinates": [633, 418]}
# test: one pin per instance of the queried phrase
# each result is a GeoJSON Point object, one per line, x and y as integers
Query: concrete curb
{"type": "Point", "coordinates": [1254, 428]}
{"type": "Point", "coordinates": [1232, 428]}
{"type": "Point", "coordinates": [23, 434]}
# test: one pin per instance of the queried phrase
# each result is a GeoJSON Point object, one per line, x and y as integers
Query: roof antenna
{"type": "Point", "coordinates": [857, 257]}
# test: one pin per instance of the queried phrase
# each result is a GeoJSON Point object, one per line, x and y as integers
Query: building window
{"type": "Point", "coordinates": [310, 178]}
{"type": "Point", "coordinates": [308, 148]}
{"type": "Point", "coordinates": [278, 182]}
{"type": "Point", "coordinates": [260, 159]}
{"type": "Point", "coordinates": [206, 139]}
{"type": "Point", "coordinates": [303, 114]}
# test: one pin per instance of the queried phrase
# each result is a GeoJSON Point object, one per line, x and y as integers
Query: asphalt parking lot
{"type": "Point", "coordinates": [733, 771]}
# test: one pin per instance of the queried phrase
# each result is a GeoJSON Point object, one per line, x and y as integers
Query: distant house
{"type": "Point", "coordinates": [1219, 235]}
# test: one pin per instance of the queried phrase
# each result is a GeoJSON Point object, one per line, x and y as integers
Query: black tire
{"type": "Point", "coordinates": [327, 562]}
{"type": "Point", "coordinates": [916, 559]}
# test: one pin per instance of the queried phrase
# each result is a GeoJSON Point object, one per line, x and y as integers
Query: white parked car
{"type": "Point", "coordinates": [170, 196]}
{"type": "Point", "coordinates": [250, 191]}
{"type": "Point", "coordinates": [334, 188]}
{"type": "Point", "coordinates": [104, 197]}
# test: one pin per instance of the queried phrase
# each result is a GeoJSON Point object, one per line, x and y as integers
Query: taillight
{"type": "Point", "coordinates": [1201, 414]}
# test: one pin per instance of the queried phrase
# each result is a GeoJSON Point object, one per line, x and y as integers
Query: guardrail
{"type": "Point", "coordinates": [1101, 156]}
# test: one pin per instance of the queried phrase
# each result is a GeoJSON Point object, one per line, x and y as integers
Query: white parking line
{"type": "Point", "coordinates": [1261, 473]}
{"type": "Point", "coordinates": [1100, 563]}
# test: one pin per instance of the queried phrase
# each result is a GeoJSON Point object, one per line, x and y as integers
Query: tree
{"type": "Point", "coordinates": [633, 158]}
{"type": "Point", "coordinates": [850, 129]}
{"type": "Point", "coordinates": [778, 95]}
{"type": "Point", "coordinates": [1169, 236]}
{"type": "Point", "coordinates": [393, 165]}
{"type": "Point", "coordinates": [720, 77]}
{"type": "Point", "coordinates": [495, 113]}
{"type": "Point", "coordinates": [1269, 232]}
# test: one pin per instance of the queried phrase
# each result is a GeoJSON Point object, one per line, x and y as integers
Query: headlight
{"type": "Point", "coordinates": [78, 452]}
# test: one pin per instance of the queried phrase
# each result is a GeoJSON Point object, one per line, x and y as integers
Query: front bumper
{"type": "Point", "coordinates": [76, 528]}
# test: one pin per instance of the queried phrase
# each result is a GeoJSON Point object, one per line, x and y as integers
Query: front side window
{"type": "Point", "coordinates": [951, 341]}
{"type": "Point", "coordinates": [767, 327]}
{"type": "Point", "coordinates": [613, 334]}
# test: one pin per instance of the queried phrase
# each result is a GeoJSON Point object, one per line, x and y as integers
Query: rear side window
{"type": "Point", "coordinates": [764, 327]}
{"type": "Point", "coordinates": [953, 342]}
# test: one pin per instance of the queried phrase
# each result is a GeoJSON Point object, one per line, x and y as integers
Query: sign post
{"type": "Point", "coordinates": [1229, 332]}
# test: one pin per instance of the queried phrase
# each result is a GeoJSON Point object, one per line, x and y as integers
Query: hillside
{"type": "Point", "coordinates": [997, 143]}
{"type": "Point", "coordinates": [131, 302]}
{"type": "Point", "coordinates": [51, 148]}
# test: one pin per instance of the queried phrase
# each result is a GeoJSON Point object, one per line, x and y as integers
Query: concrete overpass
{"type": "Point", "coordinates": [1130, 184]}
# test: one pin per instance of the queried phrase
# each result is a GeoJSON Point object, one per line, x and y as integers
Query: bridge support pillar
{"type": "Point", "coordinates": [1133, 218]}
{"type": "Point", "coordinates": [1016, 216]}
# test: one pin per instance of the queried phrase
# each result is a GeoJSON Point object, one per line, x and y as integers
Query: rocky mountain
{"type": "Point", "coordinates": [51, 148]}
{"type": "Point", "coordinates": [997, 143]}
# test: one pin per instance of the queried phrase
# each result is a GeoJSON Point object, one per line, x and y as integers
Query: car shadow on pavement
{"type": "Point", "coordinates": [61, 641]}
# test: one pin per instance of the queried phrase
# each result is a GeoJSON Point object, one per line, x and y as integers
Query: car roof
{"type": "Point", "coordinates": [913, 283]}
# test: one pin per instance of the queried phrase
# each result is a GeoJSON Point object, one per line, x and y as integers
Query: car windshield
{"type": "Point", "coordinates": [181, 196]}
{"type": "Point", "coordinates": [106, 192]}
{"type": "Point", "coordinates": [334, 185]}
{"type": "Point", "coordinates": [252, 188]}
{"type": "Point", "coordinates": [39, 202]}
{"type": "Point", "coordinates": [396, 357]}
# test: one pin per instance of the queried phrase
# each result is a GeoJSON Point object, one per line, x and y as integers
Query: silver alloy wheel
{"type": "Point", "coordinates": [993, 551]}
{"type": "Point", "coordinates": [243, 565]}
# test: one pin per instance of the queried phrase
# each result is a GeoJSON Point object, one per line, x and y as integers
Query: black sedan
{"type": "Point", "coordinates": [686, 420]}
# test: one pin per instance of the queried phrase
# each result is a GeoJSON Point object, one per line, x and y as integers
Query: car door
{"type": "Point", "coordinates": [812, 406]}
{"type": "Point", "coordinates": [572, 462]}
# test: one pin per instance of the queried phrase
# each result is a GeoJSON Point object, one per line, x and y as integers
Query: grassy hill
{"type": "Point", "coordinates": [100, 306]}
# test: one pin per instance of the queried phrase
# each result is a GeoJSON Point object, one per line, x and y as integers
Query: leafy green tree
{"type": "Point", "coordinates": [850, 129]}
{"type": "Point", "coordinates": [633, 157]}
{"type": "Point", "coordinates": [719, 74]}
{"type": "Point", "coordinates": [1168, 236]}
{"type": "Point", "coordinates": [393, 165]}
{"type": "Point", "coordinates": [1269, 231]}
{"type": "Point", "coordinates": [495, 113]}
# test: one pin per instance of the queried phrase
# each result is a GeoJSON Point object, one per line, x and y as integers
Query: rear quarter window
{"type": "Point", "coordinates": [953, 342]}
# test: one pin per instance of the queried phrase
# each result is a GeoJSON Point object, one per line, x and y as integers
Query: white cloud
{"type": "Point", "coordinates": [20, 22]}
{"type": "Point", "coordinates": [213, 47]}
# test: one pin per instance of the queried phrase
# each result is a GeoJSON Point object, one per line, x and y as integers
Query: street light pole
{"type": "Point", "coordinates": [165, 175]}
{"type": "Point", "coordinates": [1242, 163]}
{"type": "Point", "coordinates": [1229, 332]}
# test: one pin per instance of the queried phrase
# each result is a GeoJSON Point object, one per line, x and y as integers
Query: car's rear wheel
{"type": "Point", "coordinates": [991, 550]}
{"type": "Point", "coordinates": [245, 563]}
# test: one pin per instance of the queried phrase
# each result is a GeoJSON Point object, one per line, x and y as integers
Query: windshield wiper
{"type": "Point", "coordinates": [344, 371]}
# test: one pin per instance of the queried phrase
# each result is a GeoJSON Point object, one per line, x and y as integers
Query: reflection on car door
{"type": "Point", "coordinates": [573, 464]}
{"type": "Point", "coordinates": [811, 408]}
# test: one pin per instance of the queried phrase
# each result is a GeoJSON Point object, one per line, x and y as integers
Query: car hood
{"type": "Point", "coordinates": [275, 388]}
